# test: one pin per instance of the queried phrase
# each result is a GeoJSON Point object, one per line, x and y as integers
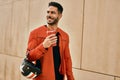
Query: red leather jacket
{"type": "Point", "coordinates": [37, 51]}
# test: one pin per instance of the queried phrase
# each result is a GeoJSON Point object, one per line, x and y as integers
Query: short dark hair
{"type": "Point", "coordinates": [55, 4]}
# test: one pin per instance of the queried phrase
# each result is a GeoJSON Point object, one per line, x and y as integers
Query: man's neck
{"type": "Point", "coordinates": [52, 27]}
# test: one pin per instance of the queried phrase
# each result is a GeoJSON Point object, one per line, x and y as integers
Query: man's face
{"type": "Point", "coordinates": [52, 15]}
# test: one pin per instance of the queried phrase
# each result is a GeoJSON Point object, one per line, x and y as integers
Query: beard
{"type": "Point", "coordinates": [52, 21]}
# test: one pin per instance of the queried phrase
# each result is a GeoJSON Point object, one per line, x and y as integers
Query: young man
{"type": "Point", "coordinates": [51, 49]}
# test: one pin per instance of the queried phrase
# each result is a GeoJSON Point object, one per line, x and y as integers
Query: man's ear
{"type": "Point", "coordinates": [60, 16]}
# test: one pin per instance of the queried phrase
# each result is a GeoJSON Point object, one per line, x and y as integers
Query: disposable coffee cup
{"type": "Point", "coordinates": [49, 32]}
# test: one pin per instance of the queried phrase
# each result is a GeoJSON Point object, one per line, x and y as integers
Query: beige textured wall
{"type": "Point", "coordinates": [93, 26]}
{"type": "Point", "coordinates": [101, 37]}
{"type": "Point", "coordinates": [118, 79]}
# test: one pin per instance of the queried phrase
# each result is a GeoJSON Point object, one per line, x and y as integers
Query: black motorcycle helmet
{"type": "Point", "coordinates": [30, 69]}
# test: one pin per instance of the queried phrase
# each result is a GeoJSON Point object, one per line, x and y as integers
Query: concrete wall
{"type": "Point", "coordinates": [93, 27]}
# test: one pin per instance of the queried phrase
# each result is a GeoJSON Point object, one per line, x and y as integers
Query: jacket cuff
{"type": "Point", "coordinates": [42, 49]}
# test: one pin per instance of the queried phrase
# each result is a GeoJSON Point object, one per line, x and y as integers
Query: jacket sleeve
{"type": "Point", "coordinates": [34, 49]}
{"type": "Point", "coordinates": [68, 62]}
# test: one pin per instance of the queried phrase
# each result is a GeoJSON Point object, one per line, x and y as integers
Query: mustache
{"type": "Point", "coordinates": [49, 17]}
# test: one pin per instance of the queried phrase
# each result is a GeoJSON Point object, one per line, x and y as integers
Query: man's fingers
{"type": "Point", "coordinates": [53, 38]}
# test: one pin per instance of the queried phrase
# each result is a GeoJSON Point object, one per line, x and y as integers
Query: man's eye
{"type": "Point", "coordinates": [52, 12]}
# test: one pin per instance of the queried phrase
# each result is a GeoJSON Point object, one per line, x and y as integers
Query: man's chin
{"type": "Point", "coordinates": [51, 24]}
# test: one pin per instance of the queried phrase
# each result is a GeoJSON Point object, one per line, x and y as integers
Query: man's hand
{"type": "Point", "coordinates": [49, 41]}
